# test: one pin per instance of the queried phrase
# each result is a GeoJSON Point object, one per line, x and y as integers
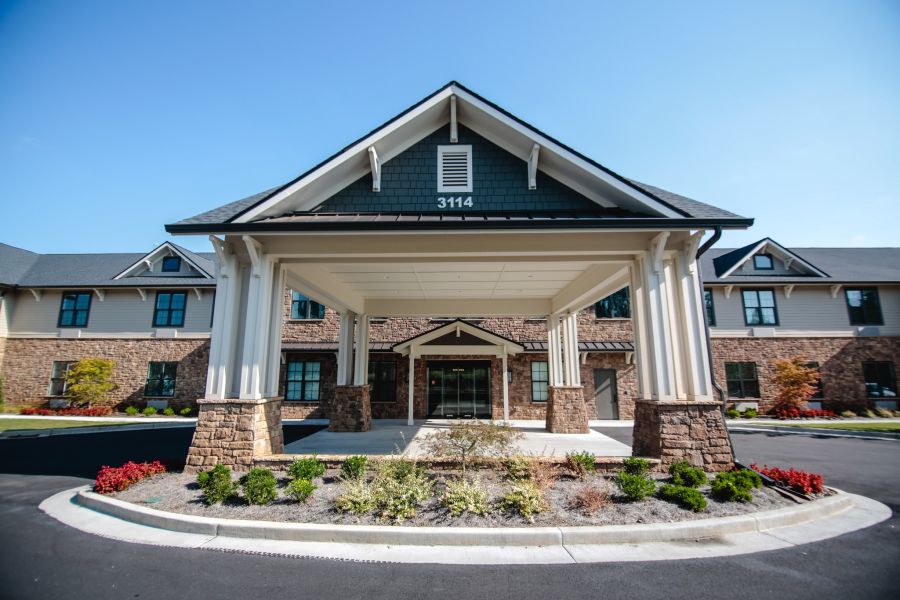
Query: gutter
{"type": "Point", "coordinates": [717, 235]}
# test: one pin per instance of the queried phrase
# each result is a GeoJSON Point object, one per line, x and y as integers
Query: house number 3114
{"type": "Point", "coordinates": [455, 202]}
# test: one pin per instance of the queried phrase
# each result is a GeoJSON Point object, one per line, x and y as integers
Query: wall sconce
{"type": "Point", "coordinates": [509, 376]}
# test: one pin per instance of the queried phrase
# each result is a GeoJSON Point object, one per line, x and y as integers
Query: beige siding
{"type": "Point", "coordinates": [7, 305]}
{"type": "Point", "coordinates": [122, 312]}
{"type": "Point", "coordinates": [810, 308]}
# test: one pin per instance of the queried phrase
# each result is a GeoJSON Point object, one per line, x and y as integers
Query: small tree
{"type": "Point", "coordinates": [90, 380]}
{"type": "Point", "coordinates": [796, 382]}
{"type": "Point", "coordinates": [466, 440]}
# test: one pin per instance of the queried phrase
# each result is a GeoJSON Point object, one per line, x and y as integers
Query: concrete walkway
{"type": "Point", "coordinates": [390, 436]}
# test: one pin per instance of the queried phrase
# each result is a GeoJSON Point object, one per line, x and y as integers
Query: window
{"type": "Point", "coordinates": [759, 307]}
{"type": "Point", "coordinates": [710, 308]}
{"type": "Point", "coordinates": [302, 381]}
{"type": "Point", "coordinates": [304, 308]}
{"type": "Point", "coordinates": [540, 378]}
{"type": "Point", "coordinates": [614, 306]}
{"type": "Point", "coordinates": [171, 264]}
{"type": "Point", "coordinates": [58, 383]}
{"type": "Point", "coordinates": [74, 309]}
{"type": "Point", "coordinates": [864, 306]}
{"type": "Point", "coordinates": [383, 379]}
{"type": "Point", "coordinates": [454, 168]}
{"type": "Point", "coordinates": [881, 381]}
{"type": "Point", "coordinates": [742, 381]}
{"type": "Point", "coordinates": [763, 262]}
{"type": "Point", "coordinates": [169, 311]}
{"type": "Point", "coordinates": [161, 378]}
{"type": "Point", "coordinates": [818, 384]}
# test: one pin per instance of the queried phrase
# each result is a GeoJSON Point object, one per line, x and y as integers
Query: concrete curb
{"type": "Point", "coordinates": [815, 431]}
{"type": "Point", "coordinates": [37, 433]}
{"type": "Point", "coordinates": [466, 536]}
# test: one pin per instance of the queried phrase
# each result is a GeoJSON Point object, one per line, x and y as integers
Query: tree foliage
{"type": "Point", "coordinates": [467, 440]}
{"type": "Point", "coordinates": [796, 382]}
{"type": "Point", "coordinates": [90, 380]}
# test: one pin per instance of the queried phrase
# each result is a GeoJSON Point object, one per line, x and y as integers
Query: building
{"type": "Point", "coordinates": [454, 262]}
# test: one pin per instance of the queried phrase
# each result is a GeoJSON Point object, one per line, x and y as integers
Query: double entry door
{"type": "Point", "coordinates": [459, 389]}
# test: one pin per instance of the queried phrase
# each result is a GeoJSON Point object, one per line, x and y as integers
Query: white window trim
{"type": "Point", "coordinates": [441, 150]}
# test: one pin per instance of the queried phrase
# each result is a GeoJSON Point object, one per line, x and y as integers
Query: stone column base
{"type": "Point", "coordinates": [232, 432]}
{"type": "Point", "coordinates": [350, 410]}
{"type": "Point", "coordinates": [682, 430]}
{"type": "Point", "coordinates": [566, 412]}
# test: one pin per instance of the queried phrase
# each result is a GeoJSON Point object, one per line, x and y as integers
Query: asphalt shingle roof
{"type": "Point", "coordinates": [694, 208]}
{"type": "Point", "coordinates": [14, 263]}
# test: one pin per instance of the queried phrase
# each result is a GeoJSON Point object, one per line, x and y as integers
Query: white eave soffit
{"type": "Point", "coordinates": [164, 249]}
{"type": "Point", "coordinates": [495, 126]}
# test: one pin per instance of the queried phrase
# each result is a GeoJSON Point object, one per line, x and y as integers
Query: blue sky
{"type": "Point", "coordinates": [119, 117]}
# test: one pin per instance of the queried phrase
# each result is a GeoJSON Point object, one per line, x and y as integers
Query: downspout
{"type": "Point", "coordinates": [717, 235]}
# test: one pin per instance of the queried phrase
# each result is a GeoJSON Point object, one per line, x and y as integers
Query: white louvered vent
{"type": "Point", "coordinates": [454, 168]}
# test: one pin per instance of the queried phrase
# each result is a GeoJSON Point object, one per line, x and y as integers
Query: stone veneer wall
{"type": "Point", "coordinates": [233, 432]}
{"type": "Point", "coordinates": [566, 410]}
{"type": "Point", "coordinates": [840, 361]}
{"type": "Point", "coordinates": [28, 363]}
{"type": "Point", "coordinates": [349, 409]}
{"type": "Point", "coordinates": [678, 430]}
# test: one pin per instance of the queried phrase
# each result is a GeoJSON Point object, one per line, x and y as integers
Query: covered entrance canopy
{"type": "Point", "coordinates": [457, 208]}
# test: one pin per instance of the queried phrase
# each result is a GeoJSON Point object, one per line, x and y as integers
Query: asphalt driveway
{"type": "Point", "coordinates": [41, 558]}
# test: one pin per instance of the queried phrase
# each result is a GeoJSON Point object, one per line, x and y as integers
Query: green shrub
{"type": "Point", "coordinates": [399, 486]}
{"type": "Point", "coordinates": [169, 411]}
{"type": "Point", "coordinates": [736, 486]}
{"type": "Point", "coordinates": [580, 464]}
{"type": "Point", "coordinates": [732, 413]}
{"type": "Point", "coordinates": [132, 410]}
{"type": "Point", "coordinates": [306, 468]}
{"type": "Point", "coordinates": [464, 496]}
{"type": "Point", "coordinates": [683, 474]}
{"type": "Point", "coordinates": [849, 414]}
{"type": "Point", "coordinates": [358, 498]}
{"type": "Point", "coordinates": [685, 497]}
{"type": "Point", "coordinates": [884, 413]}
{"type": "Point", "coordinates": [89, 380]}
{"type": "Point", "coordinates": [868, 414]}
{"type": "Point", "coordinates": [524, 498]}
{"type": "Point", "coordinates": [2, 398]}
{"type": "Point", "coordinates": [259, 486]}
{"type": "Point", "coordinates": [149, 411]}
{"type": "Point", "coordinates": [354, 467]}
{"type": "Point", "coordinates": [300, 489]}
{"type": "Point", "coordinates": [635, 487]}
{"type": "Point", "coordinates": [186, 411]}
{"type": "Point", "coordinates": [517, 468]}
{"type": "Point", "coordinates": [750, 413]}
{"type": "Point", "coordinates": [397, 469]}
{"type": "Point", "coordinates": [216, 484]}
{"type": "Point", "coordinates": [636, 466]}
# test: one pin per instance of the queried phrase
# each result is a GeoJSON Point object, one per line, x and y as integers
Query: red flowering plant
{"type": "Point", "coordinates": [796, 413]}
{"type": "Point", "coordinates": [116, 479]}
{"type": "Point", "coordinates": [93, 411]}
{"type": "Point", "coordinates": [795, 479]}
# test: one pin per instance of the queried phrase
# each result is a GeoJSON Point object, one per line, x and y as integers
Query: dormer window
{"type": "Point", "coordinates": [454, 169]}
{"type": "Point", "coordinates": [171, 264]}
{"type": "Point", "coordinates": [763, 262]}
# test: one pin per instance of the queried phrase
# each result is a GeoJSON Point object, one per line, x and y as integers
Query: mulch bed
{"type": "Point", "coordinates": [178, 492]}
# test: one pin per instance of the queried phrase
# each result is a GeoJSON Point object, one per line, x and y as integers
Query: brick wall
{"type": "Point", "coordinates": [840, 361]}
{"type": "Point", "coordinates": [29, 362]}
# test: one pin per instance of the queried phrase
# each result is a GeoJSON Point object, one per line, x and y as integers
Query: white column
{"type": "Point", "coordinates": [361, 368]}
{"type": "Point", "coordinates": [639, 328]}
{"type": "Point", "coordinates": [345, 349]}
{"type": "Point", "coordinates": [676, 321]}
{"type": "Point", "coordinates": [276, 318]}
{"type": "Point", "coordinates": [554, 358]}
{"type": "Point", "coordinates": [225, 318]}
{"type": "Point", "coordinates": [693, 335]}
{"type": "Point", "coordinates": [256, 324]}
{"type": "Point", "coordinates": [572, 375]}
{"type": "Point", "coordinates": [657, 321]}
{"type": "Point", "coordinates": [412, 387]}
{"type": "Point", "coordinates": [505, 375]}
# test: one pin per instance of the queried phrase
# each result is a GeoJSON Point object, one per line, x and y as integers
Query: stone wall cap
{"type": "Point", "coordinates": [238, 401]}
{"type": "Point", "coordinates": [674, 403]}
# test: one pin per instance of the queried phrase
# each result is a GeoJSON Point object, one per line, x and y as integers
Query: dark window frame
{"type": "Point", "coordinates": [610, 307]}
{"type": "Point", "coordinates": [298, 299]}
{"type": "Point", "coordinates": [544, 382]}
{"type": "Point", "coordinates": [742, 382]}
{"type": "Point", "coordinates": [880, 378]}
{"type": "Point", "coordinates": [767, 256]}
{"type": "Point", "coordinates": [65, 384]}
{"type": "Point", "coordinates": [157, 311]}
{"type": "Point", "coordinates": [75, 310]}
{"type": "Point", "coordinates": [759, 308]}
{"type": "Point", "coordinates": [709, 306]}
{"type": "Point", "coordinates": [166, 259]}
{"type": "Point", "coordinates": [302, 381]}
{"type": "Point", "coordinates": [161, 378]}
{"type": "Point", "coordinates": [863, 321]}
{"type": "Point", "coordinates": [382, 391]}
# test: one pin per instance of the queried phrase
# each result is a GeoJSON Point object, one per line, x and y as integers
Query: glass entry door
{"type": "Point", "coordinates": [459, 390]}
